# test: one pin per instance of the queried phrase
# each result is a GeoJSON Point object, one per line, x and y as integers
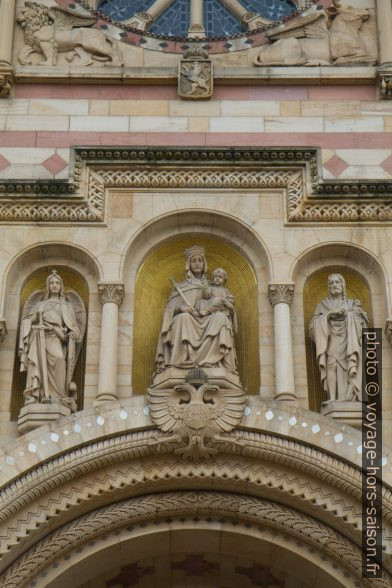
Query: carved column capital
{"type": "Point", "coordinates": [6, 81]}
{"type": "Point", "coordinates": [111, 292]}
{"type": "Point", "coordinates": [280, 293]}
{"type": "Point", "coordinates": [388, 330]}
{"type": "Point", "coordinates": [252, 21]}
{"type": "Point", "coordinates": [384, 83]}
{"type": "Point", "coordinates": [3, 330]}
{"type": "Point", "coordinates": [140, 21]}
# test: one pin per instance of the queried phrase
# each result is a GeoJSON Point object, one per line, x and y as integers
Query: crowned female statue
{"type": "Point", "coordinates": [51, 333]}
{"type": "Point", "coordinates": [190, 336]}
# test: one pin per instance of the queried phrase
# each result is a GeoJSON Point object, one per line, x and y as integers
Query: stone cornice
{"type": "Point", "coordinates": [168, 75]}
{"type": "Point", "coordinates": [280, 293]}
{"type": "Point", "coordinates": [295, 170]}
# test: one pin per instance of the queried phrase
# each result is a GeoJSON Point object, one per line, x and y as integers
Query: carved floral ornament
{"type": "Point", "coordinates": [111, 292]}
{"type": "Point", "coordinates": [82, 199]}
{"type": "Point", "coordinates": [278, 293]}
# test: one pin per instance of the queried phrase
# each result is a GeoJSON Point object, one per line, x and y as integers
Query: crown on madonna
{"type": "Point", "coordinates": [195, 250]}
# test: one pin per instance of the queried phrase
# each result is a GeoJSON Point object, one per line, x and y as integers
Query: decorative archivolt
{"type": "Point", "coordinates": [253, 463]}
{"type": "Point", "coordinates": [82, 200]}
{"type": "Point", "coordinates": [227, 506]}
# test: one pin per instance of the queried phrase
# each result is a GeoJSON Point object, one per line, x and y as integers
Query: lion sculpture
{"type": "Point", "coordinates": [319, 37]}
{"type": "Point", "coordinates": [53, 30]}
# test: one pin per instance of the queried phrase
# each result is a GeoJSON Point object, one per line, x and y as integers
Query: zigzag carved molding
{"type": "Point", "coordinates": [228, 507]}
{"type": "Point", "coordinates": [45, 483]}
{"type": "Point", "coordinates": [93, 170]}
{"type": "Point", "coordinates": [75, 498]}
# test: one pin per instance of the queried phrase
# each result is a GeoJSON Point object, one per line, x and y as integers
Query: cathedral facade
{"type": "Point", "coordinates": [195, 267]}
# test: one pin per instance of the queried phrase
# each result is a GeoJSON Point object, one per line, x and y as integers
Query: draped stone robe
{"type": "Point", "coordinates": [186, 340]}
{"type": "Point", "coordinates": [59, 320]}
{"type": "Point", "coordinates": [338, 344]}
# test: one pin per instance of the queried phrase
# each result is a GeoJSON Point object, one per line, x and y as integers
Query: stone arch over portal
{"type": "Point", "coordinates": [277, 543]}
{"type": "Point", "coordinates": [261, 477]}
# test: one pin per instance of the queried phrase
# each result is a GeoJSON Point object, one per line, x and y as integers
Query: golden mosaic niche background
{"type": "Point", "coordinates": [37, 281]}
{"type": "Point", "coordinates": [153, 288]}
{"type": "Point", "coordinates": [315, 289]}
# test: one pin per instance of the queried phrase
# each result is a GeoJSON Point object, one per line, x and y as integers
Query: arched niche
{"type": "Point", "coordinates": [153, 288]}
{"type": "Point", "coordinates": [315, 290]}
{"type": "Point", "coordinates": [365, 280]}
{"type": "Point", "coordinates": [192, 227]}
{"type": "Point", "coordinates": [25, 272]}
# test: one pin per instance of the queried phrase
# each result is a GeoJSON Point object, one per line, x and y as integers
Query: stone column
{"type": "Point", "coordinates": [250, 20]}
{"type": "Point", "coordinates": [384, 33]}
{"type": "Point", "coordinates": [281, 296]}
{"type": "Point", "coordinates": [143, 20]}
{"type": "Point", "coordinates": [111, 296]}
{"type": "Point", "coordinates": [196, 28]}
{"type": "Point", "coordinates": [7, 23]}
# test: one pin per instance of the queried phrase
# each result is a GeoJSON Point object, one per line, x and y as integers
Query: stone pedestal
{"type": "Point", "coordinates": [35, 415]}
{"type": "Point", "coordinates": [216, 376]}
{"type": "Point", "coordinates": [349, 413]}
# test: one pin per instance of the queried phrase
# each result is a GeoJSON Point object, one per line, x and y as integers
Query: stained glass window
{"type": "Point", "coordinates": [174, 21]}
{"type": "Point", "coordinates": [218, 21]}
{"type": "Point", "coordinates": [123, 9]}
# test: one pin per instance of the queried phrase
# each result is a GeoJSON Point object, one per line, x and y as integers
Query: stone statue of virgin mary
{"type": "Point", "coordinates": [187, 338]}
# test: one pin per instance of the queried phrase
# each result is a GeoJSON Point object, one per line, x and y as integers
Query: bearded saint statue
{"type": "Point", "coordinates": [336, 329]}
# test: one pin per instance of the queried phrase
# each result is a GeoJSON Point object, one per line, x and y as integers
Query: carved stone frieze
{"type": "Point", "coordinates": [6, 81]}
{"type": "Point", "coordinates": [280, 293]}
{"type": "Point", "coordinates": [3, 330]}
{"type": "Point", "coordinates": [249, 510]}
{"type": "Point", "coordinates": [292, 170]}
{"type": "Point", "coordinates": [49, 31]}
{"type": "Point", "coordinates": [111, 292]}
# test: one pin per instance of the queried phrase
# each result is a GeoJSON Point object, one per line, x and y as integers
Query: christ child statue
{"type": "Point", "coordinates": [216, 297]}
